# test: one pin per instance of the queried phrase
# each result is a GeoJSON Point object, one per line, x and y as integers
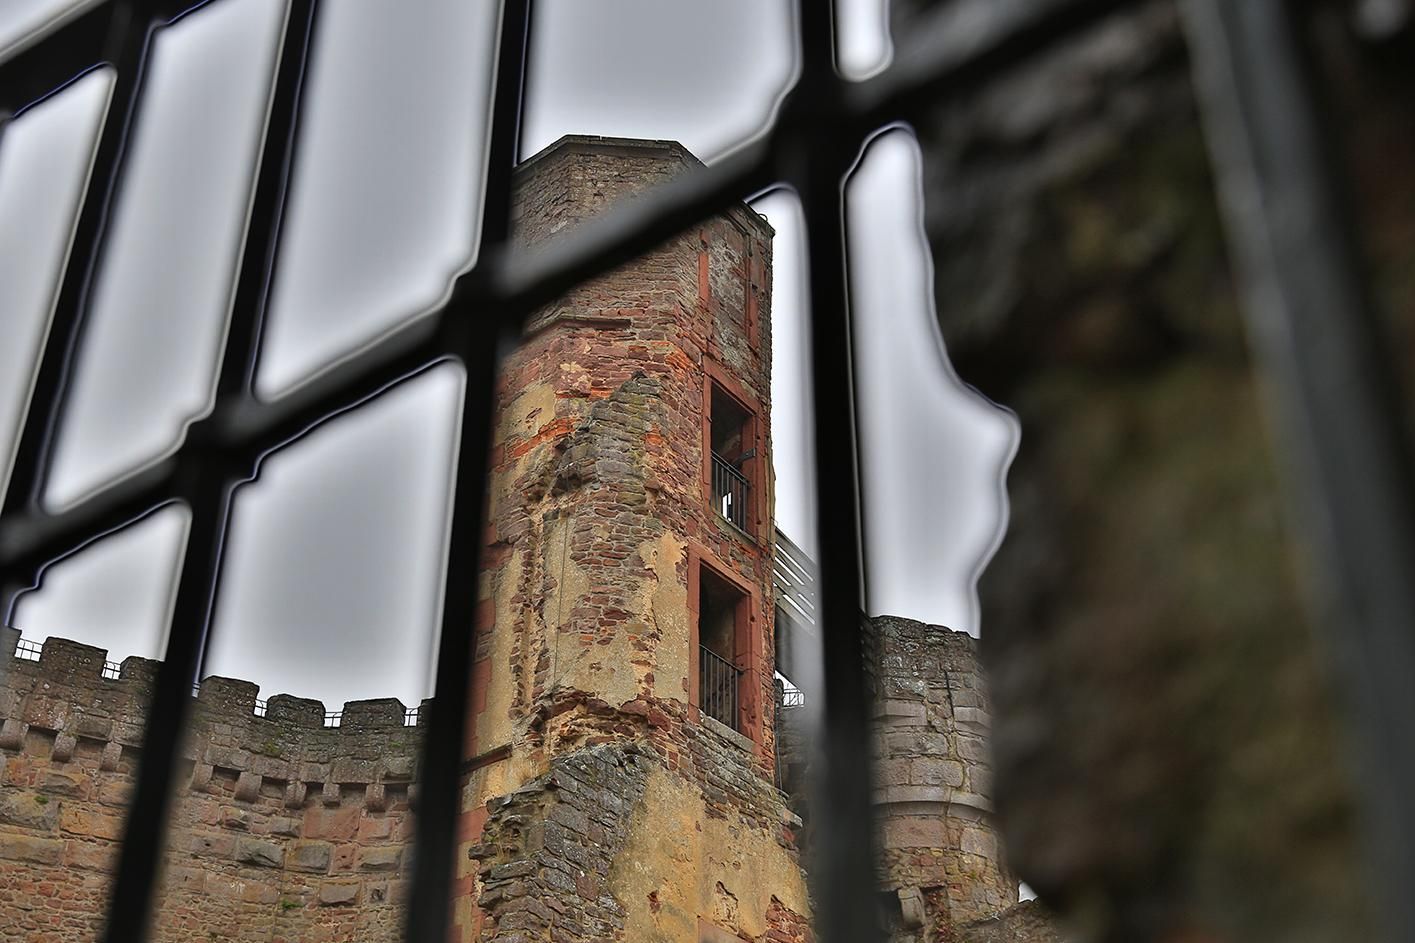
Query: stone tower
{"type": "Point", "coordinates": [620, 763]}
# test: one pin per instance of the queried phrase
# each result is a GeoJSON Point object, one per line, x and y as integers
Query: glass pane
{"type": "Point", "coordinates": [115, 593]}
{"type": "Point", "coordinates": [335, 555]}
{"type": "Point", "coordinates": [163, 293]}
{"type": "Point", "coordinates": [791, 416]}
{"type": "Point", "coordinates": [708, 76]}
{"type": "Point", "coordinates": [862, 42]}
{"type": "Point", "coordinates": [935, 511]}
{"type": "Point", "coordinates": [44, 165]}
{"type": "Point", "coordinates": [934, 454]}
{"type": "Point", "coordinates": [385, 203]}
{"type": "Point", "coordinates": [74, 694]}
{"type": "Point", "coordinates": [20, 20]}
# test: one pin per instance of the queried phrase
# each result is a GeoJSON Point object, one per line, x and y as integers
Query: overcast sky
{"type": "Point", "coordinates": [334, 565]}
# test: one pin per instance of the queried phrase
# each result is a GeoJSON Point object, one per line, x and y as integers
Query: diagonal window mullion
{"type": "Point", "coordinates": [843, 878]}
{"type": "Point", "coordinates": [130, 37]}
{"type": "Point", "coordinates": [477, 341]}
{"type": "Point", "coordinates": [207, 484]}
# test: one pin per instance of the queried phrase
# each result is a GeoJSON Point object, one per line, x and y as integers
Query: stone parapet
{"type": "Point", "coordinates": [285, 826]}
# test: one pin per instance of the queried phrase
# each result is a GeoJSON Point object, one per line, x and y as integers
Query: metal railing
{"type": "Point", "coordinates": [718, 681]}
{"type": "Point", "coordinates": [411, 716]}
{"type": "Point", "coordinates": [731, 491]}
{"type": "Point", "coordinates": [260, 707]}
{"type": "Point", "coordinates": [112, 670]}
{"type": "Point", "coordinates": [794, 574]}
{"type": "Point", "coordinates": [333, 718]}
{"type": "Point", "coordinates": [28, 651]}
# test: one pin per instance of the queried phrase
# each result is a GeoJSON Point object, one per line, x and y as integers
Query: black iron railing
{"type": "Point", "coordinates": [730, 491]}
{"type": "Point", "coordinates": [718, 681]}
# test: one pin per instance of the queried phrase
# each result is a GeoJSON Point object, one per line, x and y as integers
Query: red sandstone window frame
{"type": "Point", "coordinates": [716, 376]}
{"type": "Point", "coordinates": [749, 630]}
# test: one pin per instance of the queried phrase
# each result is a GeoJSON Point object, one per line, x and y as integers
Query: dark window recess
{"type": "Point", "coordinates": [731, 451]}
{"type": "Point", "coordinates": [720, 610]}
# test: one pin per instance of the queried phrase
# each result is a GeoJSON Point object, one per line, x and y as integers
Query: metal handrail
{"type": "Point", "coordinates": [718, 681]}
{"type": "Point", "coordinates": [731, 491]}
{"type": "Point", "coordinates": [795, 576]}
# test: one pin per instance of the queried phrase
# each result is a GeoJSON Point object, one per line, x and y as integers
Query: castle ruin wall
{"type": "Point", "coordinates": [283, 828]}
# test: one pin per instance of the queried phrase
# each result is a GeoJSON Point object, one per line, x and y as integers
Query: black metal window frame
{"type": "Point", "coordinates": [1309, 320]}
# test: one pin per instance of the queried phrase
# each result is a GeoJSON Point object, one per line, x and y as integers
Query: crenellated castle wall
{"type": "Point", "coordinates": [284, 829]}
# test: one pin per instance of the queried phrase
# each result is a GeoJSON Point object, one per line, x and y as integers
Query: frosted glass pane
{"type": "Point", "coordinates": [21, 19]}
{"type": "Point", "coordinates": [792, 419]}
{"type": "Point", "coordinates": [934, 451]}
{"type": "Point", "coordinates": [44, 163]}
{"type": "Point", "coordinates": [386, 200]}
{"type": "Point", "coordinates": [862, 42]}
{"type": "Point", "coordinates": [116, 593]}
{"type": "Point", "coordinates": [708, 75]}
{"type": "Point", "coordinates": [334, 569]}
{"type": "Point", "coordinates": [164, 287]}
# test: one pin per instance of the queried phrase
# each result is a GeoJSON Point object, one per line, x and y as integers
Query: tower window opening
{"type": "Point", "coordinates": [721, 611]}
{"type": "Point", "coordinates": [731, 447]}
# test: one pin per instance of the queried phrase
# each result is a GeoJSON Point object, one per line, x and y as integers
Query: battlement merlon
{"type": "Point", "coordinates": [70, 692]}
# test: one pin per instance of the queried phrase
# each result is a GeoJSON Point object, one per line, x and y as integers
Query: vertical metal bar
{"type": "Point", "coordinates": [475, 335]}
{"type": "Point", "coordinates": [208, 487]}
{"type": "Point", "coordinates": [127, 44]}
{"type": "Point", "coordinates": [1313, 329]}
{"type": "Point", "coordinates": [843, 869]}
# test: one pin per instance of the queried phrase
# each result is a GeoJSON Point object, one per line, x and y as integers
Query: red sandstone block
{"type": "Point", "coordinates": [90, 856]}
{"type": "Point", "coordinates": [91, 822]}
{"type": "Point", "coordinates": [344, 857]}
{"type": "Point", "coordinates": [334, 824]}
{"type": "Point", "coordinates": [33, 850]}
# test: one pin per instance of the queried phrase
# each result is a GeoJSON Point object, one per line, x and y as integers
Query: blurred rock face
{"type": "Point", "coordinates": [1170, 759]}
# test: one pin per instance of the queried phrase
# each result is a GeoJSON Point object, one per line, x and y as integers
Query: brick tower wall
{"type": "Point", "coordinates": [282, 830]}
{"type": "Point", "coordinates": [590, 761]}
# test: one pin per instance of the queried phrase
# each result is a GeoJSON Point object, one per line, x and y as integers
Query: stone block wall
{"type": "Point", "coordinates": [283, 829]}
{"type": "Point", "coordinates": [599, 520]}
{"type": "Point", "coordinates": [940, 850]}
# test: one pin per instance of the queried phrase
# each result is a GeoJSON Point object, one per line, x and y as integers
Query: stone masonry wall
{"type": "Point", "coordinates": [598, 521]}
{"type": "Point", "coordinates": [940, 850]}
{"type": "Point", "coordinates": [284, 830]}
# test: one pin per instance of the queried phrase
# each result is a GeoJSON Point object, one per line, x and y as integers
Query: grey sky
{"type": "Point", "coordinates": [335, 555]}
{"type": "Point", "coordinates": [165, 282]}
{"type": "Point", "coordinates": [45, 159]}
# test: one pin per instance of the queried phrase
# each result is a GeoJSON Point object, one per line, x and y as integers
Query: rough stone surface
{"type": "Point", "coordinates": [599, 520]}
{"type": "Point", "coordinates": [1170, 764]}
{"type": "Point", "coordinates": [243, 862]}
{"type": "Point", "coordinates": [934, 803]}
